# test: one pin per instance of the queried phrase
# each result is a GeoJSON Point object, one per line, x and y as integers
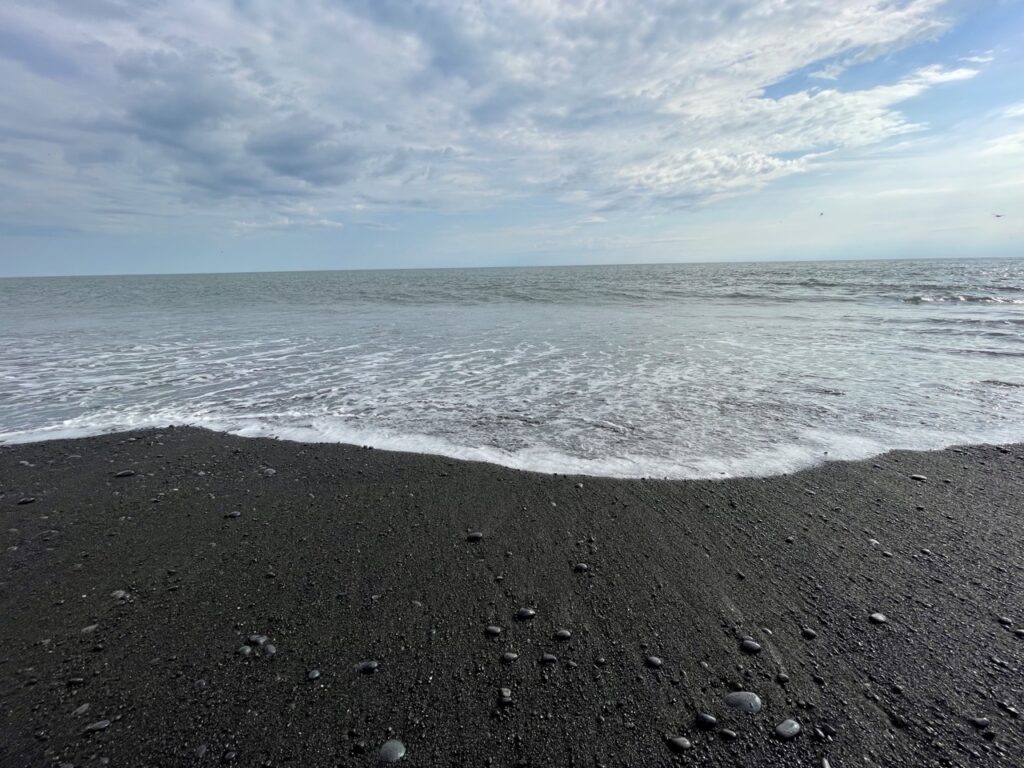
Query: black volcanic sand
{"type": "Point", "coordinates": [344, 555]}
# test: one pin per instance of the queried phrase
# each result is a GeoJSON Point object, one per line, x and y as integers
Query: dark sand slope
{"type": "Point", "coordinates": [345, 555]}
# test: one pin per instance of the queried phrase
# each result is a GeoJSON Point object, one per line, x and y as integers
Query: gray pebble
{"type": "Point", "coordinates": [878, 618]}
{"type": "Point", "coordinates": [367, 667]}
{"type": "Point", "coordinates": [233, 513]}
{"type": "Point", "coordinates": [99, 725]}
{"type": "Point", "coordinates": [392, 751]}
{"type": "Point", "coordinates": [728, 734]}
{"type": "Point", "coordinates": [509, 656]}
{"type": "Point", "coordinates": [548, 658]}
{"type": "Point", "coordinates": [654, 662]}
{"type": "Point", "coordinates": [744, 701]}
{"type": "Point", "coordinates": [474, 537]}
{"type": "Point", "coordinates": [808, 633]}
{"type": "Point", "coordinates": [81, 710]}
{"type": "Point", "coordinates": [493, 630]}
{"type": "Point", "coordinates": [313, 674]}
{"type": "Point", "coordinates": [705, 721]}
{"type": "Point", "coordinates": [787, 729]}
{"type": "Point", "coordinates": [268, 650]}
{"type": "Point", "coordinates": [525, 614]}
{"type": "Point", "coordinates": [581, 567]}
{"type": "Point", "coordinates": [750, 646]}
{"type": "Point", "coordinates": [245, 651]}
{"type": "Point", "coordinates": [919, 478]}
{"type": "Point", "coordinates": [678, 743]}
{"type": "Point", "coordinates": [563, 634]}
{"type": "Point", "coordinates": [782, 678]}
{"type": "Point", "coordinates": [119, 594]}
{"type": "Point", "coordinates": [979, 722]}
{"type": "Point", "coordinates": [27, 500]}
{"type": "Point", "coordinates": [125, 473]}
{"type": "Point", "coordinates": [259, 640]}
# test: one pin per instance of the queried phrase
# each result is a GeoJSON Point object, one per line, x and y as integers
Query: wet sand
{"type": "Point", "coordinates": [125, 601]}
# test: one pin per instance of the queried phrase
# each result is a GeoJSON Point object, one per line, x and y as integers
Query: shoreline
{"type": "Point", "coordinates": [344, 554]}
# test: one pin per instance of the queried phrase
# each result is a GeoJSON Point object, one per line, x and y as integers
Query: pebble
{"type": "Point", "coordinates": [705, 721]}
{"type": "Point", "coordinates": [259, 640]}
{"type": "Point", "coordinates": [728, 734]}
{"type": "Point", "coordinates": [787, 729]}
{"type": "Point", "coordinates": [782, 678]}
{"type": "Point", "coordinates": [119, 594]}
{"type": "Point", "coordinates": [27, 500]}
{"type": "Point", "coordinates": [1005, 621]}
{"type": "Point", "coordinates": [313, 674]}
{"type": "Point", "coordinates": [808, 633]}
{"type": "Point", "coordinates": [548, 658]}
{"type": "Point", "coordinates": [979, 722]}
{"type": "Point", "coordinates": [581, 568]}
{"type": "Point", "coordinates": [245, 651]}
{"type": "Point", "coordinates": [600, 661]}
{"type": "Point", "coordinates": [505, 696]}
{"type": "Point", "coordinates": [509, 656]}
{"type": "Point", "coordinates": [493, 630]}
{"type": "Point", "coordinates": [678, 743]}
{"type": "Point", "coordinates": [367, 667]}
{"type": "Point", "coordinates": [744, 701]}
{"type": "Point", "coordinates": [125, 473]}
{"type": "Point", "coordinates": [269, 472]}
{"type": "Point", "coordinates": [750, 646]}
{"type": "Point", "coordinates": [391, 751]}
{"type": "Point", "coordinates": [919, 478]}
{"type": "Point", "coordinates": [99, 725]}
{"type": "Point", "coordinates": [525, 614]}
{"type": "Point", "coordinates": [81, 710]}
{"type": "Point", "coordinates": [475, 536]}
{"type": "Point", "coordinates": [878, 618]}
{"type": "Point", "coordinates": [563, 634]}
{"type": "Point", "coordinates": [654, 662]}
{"type": "Point", "coordinates": [233, 513]}
{"type": "Point", "coordinates": [90, 629]}
{"type": "Point", "coordinates": [268, 650]}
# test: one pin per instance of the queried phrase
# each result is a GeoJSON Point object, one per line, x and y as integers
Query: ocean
{"type": "Point", "coordinates": [675, 371]}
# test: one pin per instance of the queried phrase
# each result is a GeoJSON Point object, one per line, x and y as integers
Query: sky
{"type": "Point", "coordinates": [151, 136]}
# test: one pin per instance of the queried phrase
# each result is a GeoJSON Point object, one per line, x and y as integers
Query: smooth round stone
{"type": "Point", "coordinates": [581, 567]}
{"type": "Point", "coordinates": [268, 650]}
{"type": "Point", "coordinates": [1005, 621]}
{"type": "Point", "coordinates": [509, 656]}
{"type": "Point", "coordinates": [392, 751]}
{"type": "Point", "coordinates": [563, 634]}
{"type": "Point", "coordinates": [233, 513]}
{"type": "Point", "coordinates": [705, 721]}
{"type": "Point", "coordinates": [678, 743]}
{"type": "Point", "coordinates": [245, 651]}
{"type": "Point", "coordinates": [980, 722]}
{"type": "Point", "coordinates": [654, 662]}
{"type": "Point", "coordinates": [493, 630]}
{"type": "Point", "coordinates": [808, 633]}
{"type": "Point", "coordinates": [548, 658]}
{"type": "Point", "coordinates": [600, 661]}
{"type": "Point", "coordinates": [313, 674]}
{"type": "Point", "coordinates": [367, 667]}
{"type": "Point", "coordinates": [787, 729]}
{"type": "Point", "coordinates": [750, 646]}
{"type": "Point", "coordinates": [782, 678]}
{"type": "Point", "coordinates": [877, 618]}
{"type": "Point", "coordinates": [728, 734]}
{"type": "Point", "coordinates": [475, 536]}
{"type": "Point", "coordinates": [525, 614]}
{"type": "Point", "coordinates": [258, 640]}
{"type": "Point", "coordinates": [744, 701]}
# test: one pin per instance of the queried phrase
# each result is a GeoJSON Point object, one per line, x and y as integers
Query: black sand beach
{"type": "Point", "coordinates": [125, 601]}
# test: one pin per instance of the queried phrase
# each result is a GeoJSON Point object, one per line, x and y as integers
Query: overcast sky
{"type": "Point", "coordinates": [216, 135]}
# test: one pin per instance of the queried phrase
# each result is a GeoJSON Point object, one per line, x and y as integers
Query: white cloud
{"type": "Point", "coordinates": [245, 109]}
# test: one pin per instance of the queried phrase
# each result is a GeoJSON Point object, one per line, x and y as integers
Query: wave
{"type": "Point", "coordinates": [958, 298]}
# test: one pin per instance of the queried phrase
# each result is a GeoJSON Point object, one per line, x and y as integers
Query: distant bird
{"type": "Point", "coordinates": [998, 215]}
{"type": "Point", "coordinates": [822, 213]}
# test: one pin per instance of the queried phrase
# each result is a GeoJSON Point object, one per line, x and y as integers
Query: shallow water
{"type": "Point", "coordinates": [659, 370]}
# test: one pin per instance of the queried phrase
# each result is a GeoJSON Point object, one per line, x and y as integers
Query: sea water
{"type": "Point", "coordinates": [688, 370]}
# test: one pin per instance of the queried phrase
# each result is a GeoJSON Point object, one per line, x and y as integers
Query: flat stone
{"type": "Point", "coordinates": [782, 678]}
{"type": "Point", "coordinates": [27, 500]}
{"type": "Point", "coordinates": [245, 651]}
{"type": "Point", "coordinates": [1005, 621]}
{"type": "Point", "coordinates": [581, 567]}
{"type": "Point", "coordinates": [878, 618]}
{"type": "Point", "coordinates": [119, 594]}
{"type": "Point", "coordinates": [654, 662]}
{"type": "Point", "coordinates": [505, 696]}
{"type": "Point", "coordinates": [808, 634]}
{"type": "Point", "coordinates": [233, 513]}
{"type": "Point", "coordinates": [979, 722]}
{"type": "Point", "coordinates": [787, 729]}
{"type": "Point", "coordinates": [678, 743]}
{"type": "Point", "coordinates": [125, 473]}
{"type": "Point", "coordinates": [563, 634]}
{"type": "Point", "coordinates": [750, 646]}
{"type": "Point", "coordinates": [81, 710]}
{"type": "Point", "coordinates": [492, 630]}
{"type": "Point", "coordinates": [509, 656]}
{"type": "Point", "coordinates": [525, 614]}
{"type": "Point", "coordinates": [391, 751]}
{"type": "Point", "coordinates": [548, 658]}
{"type": "Point", "coordinates": [99, 725]}
{"type": "Point", "coordinates": [313, 674]}
{"type": "Point", "coordinates": [744, 701]}
{"type": "Point", "coordinates": [705, 721]}
{"type": "Point", "coordinates": [728, 734]}
{"type": "Point", "coordinates": [919, 478]}
{"type": "Point", "coordinates": [475, 536]}
{"type": "Point", "coordinates": [367, 667]}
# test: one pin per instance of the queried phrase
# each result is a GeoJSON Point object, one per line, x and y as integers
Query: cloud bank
{"type": "Point", "coordinates": [278, 113]}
